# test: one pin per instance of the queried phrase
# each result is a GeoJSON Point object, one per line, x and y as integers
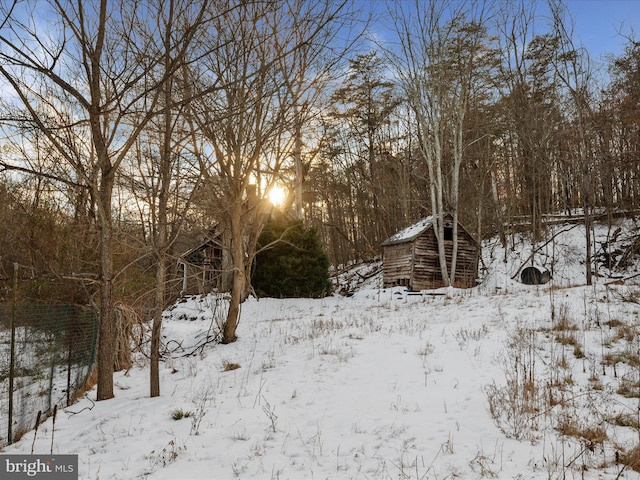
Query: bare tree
{"type": "Point", "coordinates": [529, 107]}
{"type": "Point", "coordinates": [169, 215]}
{"type": "Point", "coordinates": [97, 57]}
{"type": "Point", "coordinates": [361, 115]}
{"type": "Point", "coordinates": [309, 67]}
{"type": "Point", "coordinates": [574, 70]}
{"type": "Point", "coordinates": [619, 130]}
{"type": "Point", "coordinates": [244, 125]}
{"type": "Point", "coordinates": [237, 126]}
{"type": "Point", "coordinates": [160, 177]}
{"type": "Point", "coordinates": [443, 46]}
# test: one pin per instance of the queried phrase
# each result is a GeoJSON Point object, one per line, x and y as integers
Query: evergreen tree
{"type": "Point", "coordinates": [291, 261]}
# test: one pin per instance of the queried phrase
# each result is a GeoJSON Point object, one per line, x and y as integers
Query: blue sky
{"type": "Point", "coordinates": [599, 22]}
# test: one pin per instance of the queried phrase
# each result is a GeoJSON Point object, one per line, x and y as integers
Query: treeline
{"type": "Point", "coordinates": [530, 125]}
{"type": "Point", "coordinates": [132, 131]}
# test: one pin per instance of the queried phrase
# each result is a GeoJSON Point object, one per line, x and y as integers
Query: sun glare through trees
{"type": "Point", "coordinates": [277, 195]}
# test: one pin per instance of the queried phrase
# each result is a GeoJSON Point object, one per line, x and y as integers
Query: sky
{"type": "Point", "coordinates": [602, 24]}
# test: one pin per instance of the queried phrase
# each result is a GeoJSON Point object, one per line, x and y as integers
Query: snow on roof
{"type": "Point", "coordinates": [410, 232]}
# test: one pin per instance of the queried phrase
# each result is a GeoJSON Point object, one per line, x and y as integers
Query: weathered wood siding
{"type": "Point", "coordinates": [426, 269]}
{"type": "Point", "coordinates": [397, 264]}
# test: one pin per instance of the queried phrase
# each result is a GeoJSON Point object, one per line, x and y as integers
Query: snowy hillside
{"type": "Point", "coordinates": [501, 381]}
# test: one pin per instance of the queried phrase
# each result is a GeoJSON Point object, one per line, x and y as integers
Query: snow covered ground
{"type": "Point", "coordinates": [500, 381]}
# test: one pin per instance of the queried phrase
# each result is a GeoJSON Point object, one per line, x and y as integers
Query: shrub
{"type": "Point", "coordinates": [179, 414]}
{"type": "Point", "coordinates": [290, 262]}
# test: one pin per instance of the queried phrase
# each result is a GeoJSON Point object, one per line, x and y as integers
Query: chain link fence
{"type": "Point", "coordinates": [47, 355]}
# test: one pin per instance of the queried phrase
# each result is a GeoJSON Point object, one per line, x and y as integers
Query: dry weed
{"type": "Point", "coordinates": [631, 458]}
{"type": "Point", "coordinates": [589, 436]}
{"type": "Point", "coordinates": [227, 366]}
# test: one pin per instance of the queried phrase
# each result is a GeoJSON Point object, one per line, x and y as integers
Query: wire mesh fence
{"type": "Point", "coordinates": [47, 354]}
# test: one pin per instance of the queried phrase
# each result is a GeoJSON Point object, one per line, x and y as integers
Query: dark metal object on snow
{"type": "Point", "coordinates": [535, 276]}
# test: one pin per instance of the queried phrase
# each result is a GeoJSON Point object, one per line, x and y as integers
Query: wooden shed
{"type": "Point", "coordinates": [204, 268]}
{"type": "Point", "coordinates": [410, 257]}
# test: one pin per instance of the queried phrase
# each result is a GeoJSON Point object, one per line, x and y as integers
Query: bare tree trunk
{"type": "Point", "coordinates": [161, 240]}
{"type": "Point", "coordinates": [161, 244]}
{"type": "Point", "coordinates": [107, 329]}
{"type": "Point", "coordinates": [438, 214]}
{"type": "Point", "coordinates": [156, 330]}
{"type": "Point", "coordinates": [297, 155]}
{"type": "Point", "coordinates": [499, 210]}
{"type": "Point", "coordinates": [239, 276]}
{"type": "Point", "coordinates": [455, 183]}
{"type": "Point", "coordinates": [106, 345]}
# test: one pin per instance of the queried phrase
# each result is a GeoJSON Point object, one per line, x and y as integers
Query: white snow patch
{"type": "Point", "coordinates": [379, 385]}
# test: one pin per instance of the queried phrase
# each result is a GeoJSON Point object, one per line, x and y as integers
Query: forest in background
{"type": "Point", "coordinates": [130, 130]}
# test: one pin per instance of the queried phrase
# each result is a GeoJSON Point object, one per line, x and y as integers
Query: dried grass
{"type": "Point", "coordinates": [227, 366]}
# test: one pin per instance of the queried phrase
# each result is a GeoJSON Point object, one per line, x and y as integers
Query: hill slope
{"type": "Point", "coordinates": [500, 381]}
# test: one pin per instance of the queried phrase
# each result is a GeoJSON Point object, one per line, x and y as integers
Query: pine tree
{"type": "Point", "coordinates": [291, 261]}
